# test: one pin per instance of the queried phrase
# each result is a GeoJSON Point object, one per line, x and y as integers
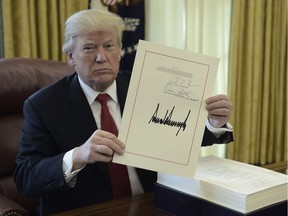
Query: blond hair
{"type": "Point", "coordinates": [87, 21]}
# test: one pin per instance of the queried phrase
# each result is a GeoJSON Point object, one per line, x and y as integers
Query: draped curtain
{"type": "Point", "coordinates": [258, 81]}
{"type": "Point", "coordinates": [1, 33]}
{"type": "Point", "coordinates": [201, 26]}
{"type": "Point", "coordinates": [35, 28]}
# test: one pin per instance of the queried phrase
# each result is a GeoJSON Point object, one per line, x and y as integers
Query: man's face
{"type": "Point", "coordinates": [96, 58]}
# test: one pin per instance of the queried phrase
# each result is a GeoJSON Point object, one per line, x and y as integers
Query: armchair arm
{"type": "Point", "coordinates": [8, 207]}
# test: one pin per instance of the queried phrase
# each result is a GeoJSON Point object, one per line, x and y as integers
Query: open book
{"type": "Point", "coordinates": [232, 184]}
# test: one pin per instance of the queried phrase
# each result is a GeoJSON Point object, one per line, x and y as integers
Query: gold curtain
{"type": "Point", "coordinates": [258, 81]}
{"type": "Point", "coordinates": [35, 28]}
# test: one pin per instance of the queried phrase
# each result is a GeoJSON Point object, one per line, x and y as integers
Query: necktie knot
{"type": "Point", "coordinates": [102, 98]}
{"type": "Point", "coordinates": [107, 121]}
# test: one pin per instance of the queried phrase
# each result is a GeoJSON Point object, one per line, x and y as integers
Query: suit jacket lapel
{"type": "Point", "coordinates": [122, 89]}
{"type": "Point", "coordinates": [82, 116]}
{"type": "Point", "coordinates": [80, 110]}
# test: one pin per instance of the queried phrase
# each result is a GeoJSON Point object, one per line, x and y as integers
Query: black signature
{"type": "Point", "coordinates": [180, 87]}
{"type": "Point", "coordinates": [167, 120]}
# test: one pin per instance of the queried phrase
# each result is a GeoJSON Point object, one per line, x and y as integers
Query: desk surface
{"type": "Point", "coordinates": [137, 205]}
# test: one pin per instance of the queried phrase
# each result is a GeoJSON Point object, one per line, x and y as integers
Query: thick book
{"type": "Point", "coordinates": [232, 184]}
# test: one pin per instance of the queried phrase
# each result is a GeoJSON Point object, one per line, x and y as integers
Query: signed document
{"type": "Point", "coordinates": [164, 117]}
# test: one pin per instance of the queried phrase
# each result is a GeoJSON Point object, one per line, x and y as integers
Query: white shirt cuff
{"type": "Point", "coordinates": [219, 131]}
{"type": "Point", "coordinates": [70, 177]}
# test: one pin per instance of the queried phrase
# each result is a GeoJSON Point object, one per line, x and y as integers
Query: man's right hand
{"type": "Point", "coordinates": [101, 146]}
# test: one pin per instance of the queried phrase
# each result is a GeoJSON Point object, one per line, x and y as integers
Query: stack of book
{"type": "Point", "coordinates": [230, 184]}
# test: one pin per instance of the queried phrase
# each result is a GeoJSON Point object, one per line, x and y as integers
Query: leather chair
{"type": "Point", "coordinates": [19, 78]}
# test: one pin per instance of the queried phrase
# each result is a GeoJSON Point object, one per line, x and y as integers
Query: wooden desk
{"type": "Point", "coordinates": [140, 205]}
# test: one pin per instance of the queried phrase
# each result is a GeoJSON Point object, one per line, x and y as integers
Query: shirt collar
{"type": "Point", "coordinates": [91, 94]}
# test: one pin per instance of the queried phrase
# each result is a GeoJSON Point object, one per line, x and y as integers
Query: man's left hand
{"type": "Point", "coordinates": [219, 110]}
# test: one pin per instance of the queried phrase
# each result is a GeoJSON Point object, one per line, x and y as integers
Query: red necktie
{"type": "Point", "coordinates": [118, 173]}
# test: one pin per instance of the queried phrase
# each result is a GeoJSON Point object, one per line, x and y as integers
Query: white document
{"type": "Point", "coordinates": [233, 184]}
{"type": "Point", "coordinates": [164, 117]}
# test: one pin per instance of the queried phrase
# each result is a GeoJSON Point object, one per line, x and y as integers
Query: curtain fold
{"type": "Point", "coordinates": [207, 32]}
{"type": "Point", "coordinates": [1, 33]}
{"type": "Point", "coordinates": [35, 28]}
{"type": "Point", "coordinates": [258, 81]}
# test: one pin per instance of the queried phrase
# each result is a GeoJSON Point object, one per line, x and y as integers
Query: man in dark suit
{"type": "Point", "coordinates": [63, 151]}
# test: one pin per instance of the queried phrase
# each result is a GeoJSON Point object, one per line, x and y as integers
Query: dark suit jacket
{"type": "Point", "coordinates": [57, 119]}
